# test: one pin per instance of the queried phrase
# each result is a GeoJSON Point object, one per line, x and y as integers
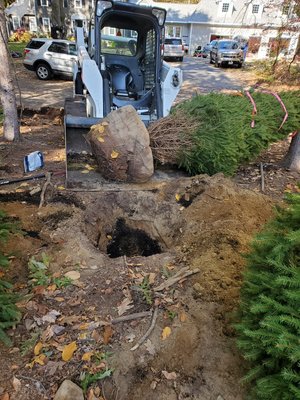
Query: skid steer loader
{"type": "Point", "coordinates": [119, 63]}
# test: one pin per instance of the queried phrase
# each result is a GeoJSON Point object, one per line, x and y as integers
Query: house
{"type": "Point", "coordinates": [197, 22]}
{"type": "Point", "coordinates": [257, 21]}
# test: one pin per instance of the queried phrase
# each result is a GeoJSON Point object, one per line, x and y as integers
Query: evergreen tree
{"type": "Point", "coordinates": [9, 312]}
{"type": "Point", "coordinates": [269, 323]}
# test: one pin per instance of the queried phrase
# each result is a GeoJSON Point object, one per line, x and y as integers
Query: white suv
{"type": "Point", "coordinates": [173, 48]}
{"type": "Point", "coordinates": [48, 57]}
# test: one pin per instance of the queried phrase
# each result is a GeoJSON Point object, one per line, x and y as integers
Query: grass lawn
{"type": "Point", "coordinates": [16, 46]}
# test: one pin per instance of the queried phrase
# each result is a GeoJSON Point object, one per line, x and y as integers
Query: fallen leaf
{"type": "Point", "coordinates": [68, 351]}
{"type": "Point", "coordinates": [59, 299]}
{"type": "Point", "coordinates": [114, 154]}
{"type": "Point", "coordinates": [91, 395]}
{"type": "Point", "coordinates": [105, 123]}
{"type": "Point", "coordinates": [70, 320]}
{"type": "Point", "coordinates": [182, 317]}
{"type": "Point", "coordinates": [16, 384]}
{"type": "Point", "coordinates": [153, 385]}
{"type": "Point", "coordinates": [150, 347]}
{"type": "Point", "coordinates": [5, 396]}
{"type": "Point", "coordinates": [51, 288]}
{"type": "Point", "coordinates": [37, 348]}
{"type": "Point", "coordinates": [37, 360]}
{"type": "Point", "coordinates": [83, 336]}
{"type": "Point", "coordinates": [87, 356]}
{"type": "Point", "coordinates": [51, 316]}
{"type": "Point", "coordinates": [130, 337]}
{"type": "Point", "coordinates": [61, 188]}
{"type": "Point", "coordinates": [166, 333]}
{"type": "Point", "coordinates": [125, 306]}
{"type": "Point", "coordinates": [100, 139]}
{"type": "Point", "coordinates": [85, 171]}
{"type": "Point", "coordinates": [171, 376]}
{"type": "Point", "coordinates": [74, 275]}
{"type": "Point", "coordinates": [96, 335]}
{"type": "Point", "coordinates": [108, 332]}
{"type": "Point", "coordinates": [152, 276]}
{"type": "Point", "coordinates": [100, 128]}
{"type": "Point", "coordinates": [177, 196]}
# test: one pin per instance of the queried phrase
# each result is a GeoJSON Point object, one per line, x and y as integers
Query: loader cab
{"type": "Point", "coordinates": [127, 43]}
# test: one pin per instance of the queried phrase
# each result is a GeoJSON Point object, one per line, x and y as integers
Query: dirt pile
{"type": "Point", "coordinates": [200, 222]}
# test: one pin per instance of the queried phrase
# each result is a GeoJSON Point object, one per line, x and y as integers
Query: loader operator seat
{"type": "Point", "coordinates": [128, 87]}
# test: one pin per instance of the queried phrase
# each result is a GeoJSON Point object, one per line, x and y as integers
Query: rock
{"type": "Point", "coordinates": [69, 391]}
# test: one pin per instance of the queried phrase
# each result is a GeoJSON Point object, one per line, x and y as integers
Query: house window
{"type": "Point", "coordinates": [78, 3]}
{"type": "Point", "coordinates": [174, 31]}
{"type": "Point", "coordinates": [65, 3]}
{"type": "Point", "coordinates": [46, 24]}
{"type": "Point", "coordinates": [225, 7]}
{"type": "Point", "coordinates": [255, 8]}
{"type": "Point", "coordinates": [16, 23]}
{"type": "Point", "coordinates": [32, 24]}
{"type": "Point", "coordinates": [44, 3]}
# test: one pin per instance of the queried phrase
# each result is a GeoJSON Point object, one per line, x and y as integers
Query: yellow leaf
{"type": "Point", "coordinates": [114, 154]}
{"type": "Point", "coordinates": [68, 351]}
{"type": "Point", "coordinates": [40, 359]}
{"type": "Point", "coordinates": [83, 336]}
{"type": "Point", "coordinates": [105, 123]}
{"type": "Point", "coordinates": [61, 188]}
{"type": "Point", "coordinates": [51, 288]}
{"type": "Point", "coordinates": [166, 333]}
{"type": "Point", "coordinates": [37, 360]}
{"type": "Point", "coordinates": [100, 129]}
{"type": "Point", "coordinates": [89, 167]}
{"type": "Point", "coordinates": [177, 196]}
{"type": "Point", "coordinates": [100, 139]}
{"type": "Point", "coordinates": [37, 348]}
{"type": "Point", "coordinates": [87, 356]}
{"type": "Point", "coordinates": [85, 171]}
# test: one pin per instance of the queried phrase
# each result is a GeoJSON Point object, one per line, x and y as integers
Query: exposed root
{"type": "Point", "coordinates": [168, 137]}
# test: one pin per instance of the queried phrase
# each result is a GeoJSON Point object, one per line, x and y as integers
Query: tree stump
{"type": "Point", "coordinates": [292, 158]}
{"type": "Point", "coordinates": [121, 146]}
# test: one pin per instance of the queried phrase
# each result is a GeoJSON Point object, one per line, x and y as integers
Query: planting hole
{"type": "Point", "coordinates": [130, 242]}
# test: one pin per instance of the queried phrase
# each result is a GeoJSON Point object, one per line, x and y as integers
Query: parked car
{"type": "Point", "coordinates": [207, 48]}
{"type": "Point", "coordinates": [173, 48]}
{"type": "Point", "coordinates": [49, 57]}
{"type": "Point", "coordinates": [226, 52]}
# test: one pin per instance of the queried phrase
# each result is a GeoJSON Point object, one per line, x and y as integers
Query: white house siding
{"type": "Point", "coordinates": [199, 21]}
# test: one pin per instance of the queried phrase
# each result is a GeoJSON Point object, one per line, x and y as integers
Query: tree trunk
{"type": "Point", "coordinates": [292, 158]}
{"type": "Point", "coordinates": [11, 128]}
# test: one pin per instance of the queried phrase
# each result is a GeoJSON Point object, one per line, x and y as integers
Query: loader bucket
{"type": "Point", "coordinates": [81, 170]}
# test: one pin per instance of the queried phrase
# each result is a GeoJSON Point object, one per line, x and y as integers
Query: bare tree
{"type": "Point", "coordinates": [8, 100]}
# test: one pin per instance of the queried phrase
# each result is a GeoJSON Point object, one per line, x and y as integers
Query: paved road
{"type": "Point", "coordinates": [199, 77]}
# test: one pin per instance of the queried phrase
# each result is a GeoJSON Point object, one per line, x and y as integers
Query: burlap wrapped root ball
{"type": "Point", "coordinates": [121, 146]}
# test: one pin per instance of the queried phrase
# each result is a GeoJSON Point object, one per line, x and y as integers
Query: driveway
{"type": "Point", "coordinates": [199, 77]}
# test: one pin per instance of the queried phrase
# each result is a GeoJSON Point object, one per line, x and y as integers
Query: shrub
{"type": "Point", "coordinates": [9, 312]}
{"type": "Point", "coordinates": [269, 317]}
